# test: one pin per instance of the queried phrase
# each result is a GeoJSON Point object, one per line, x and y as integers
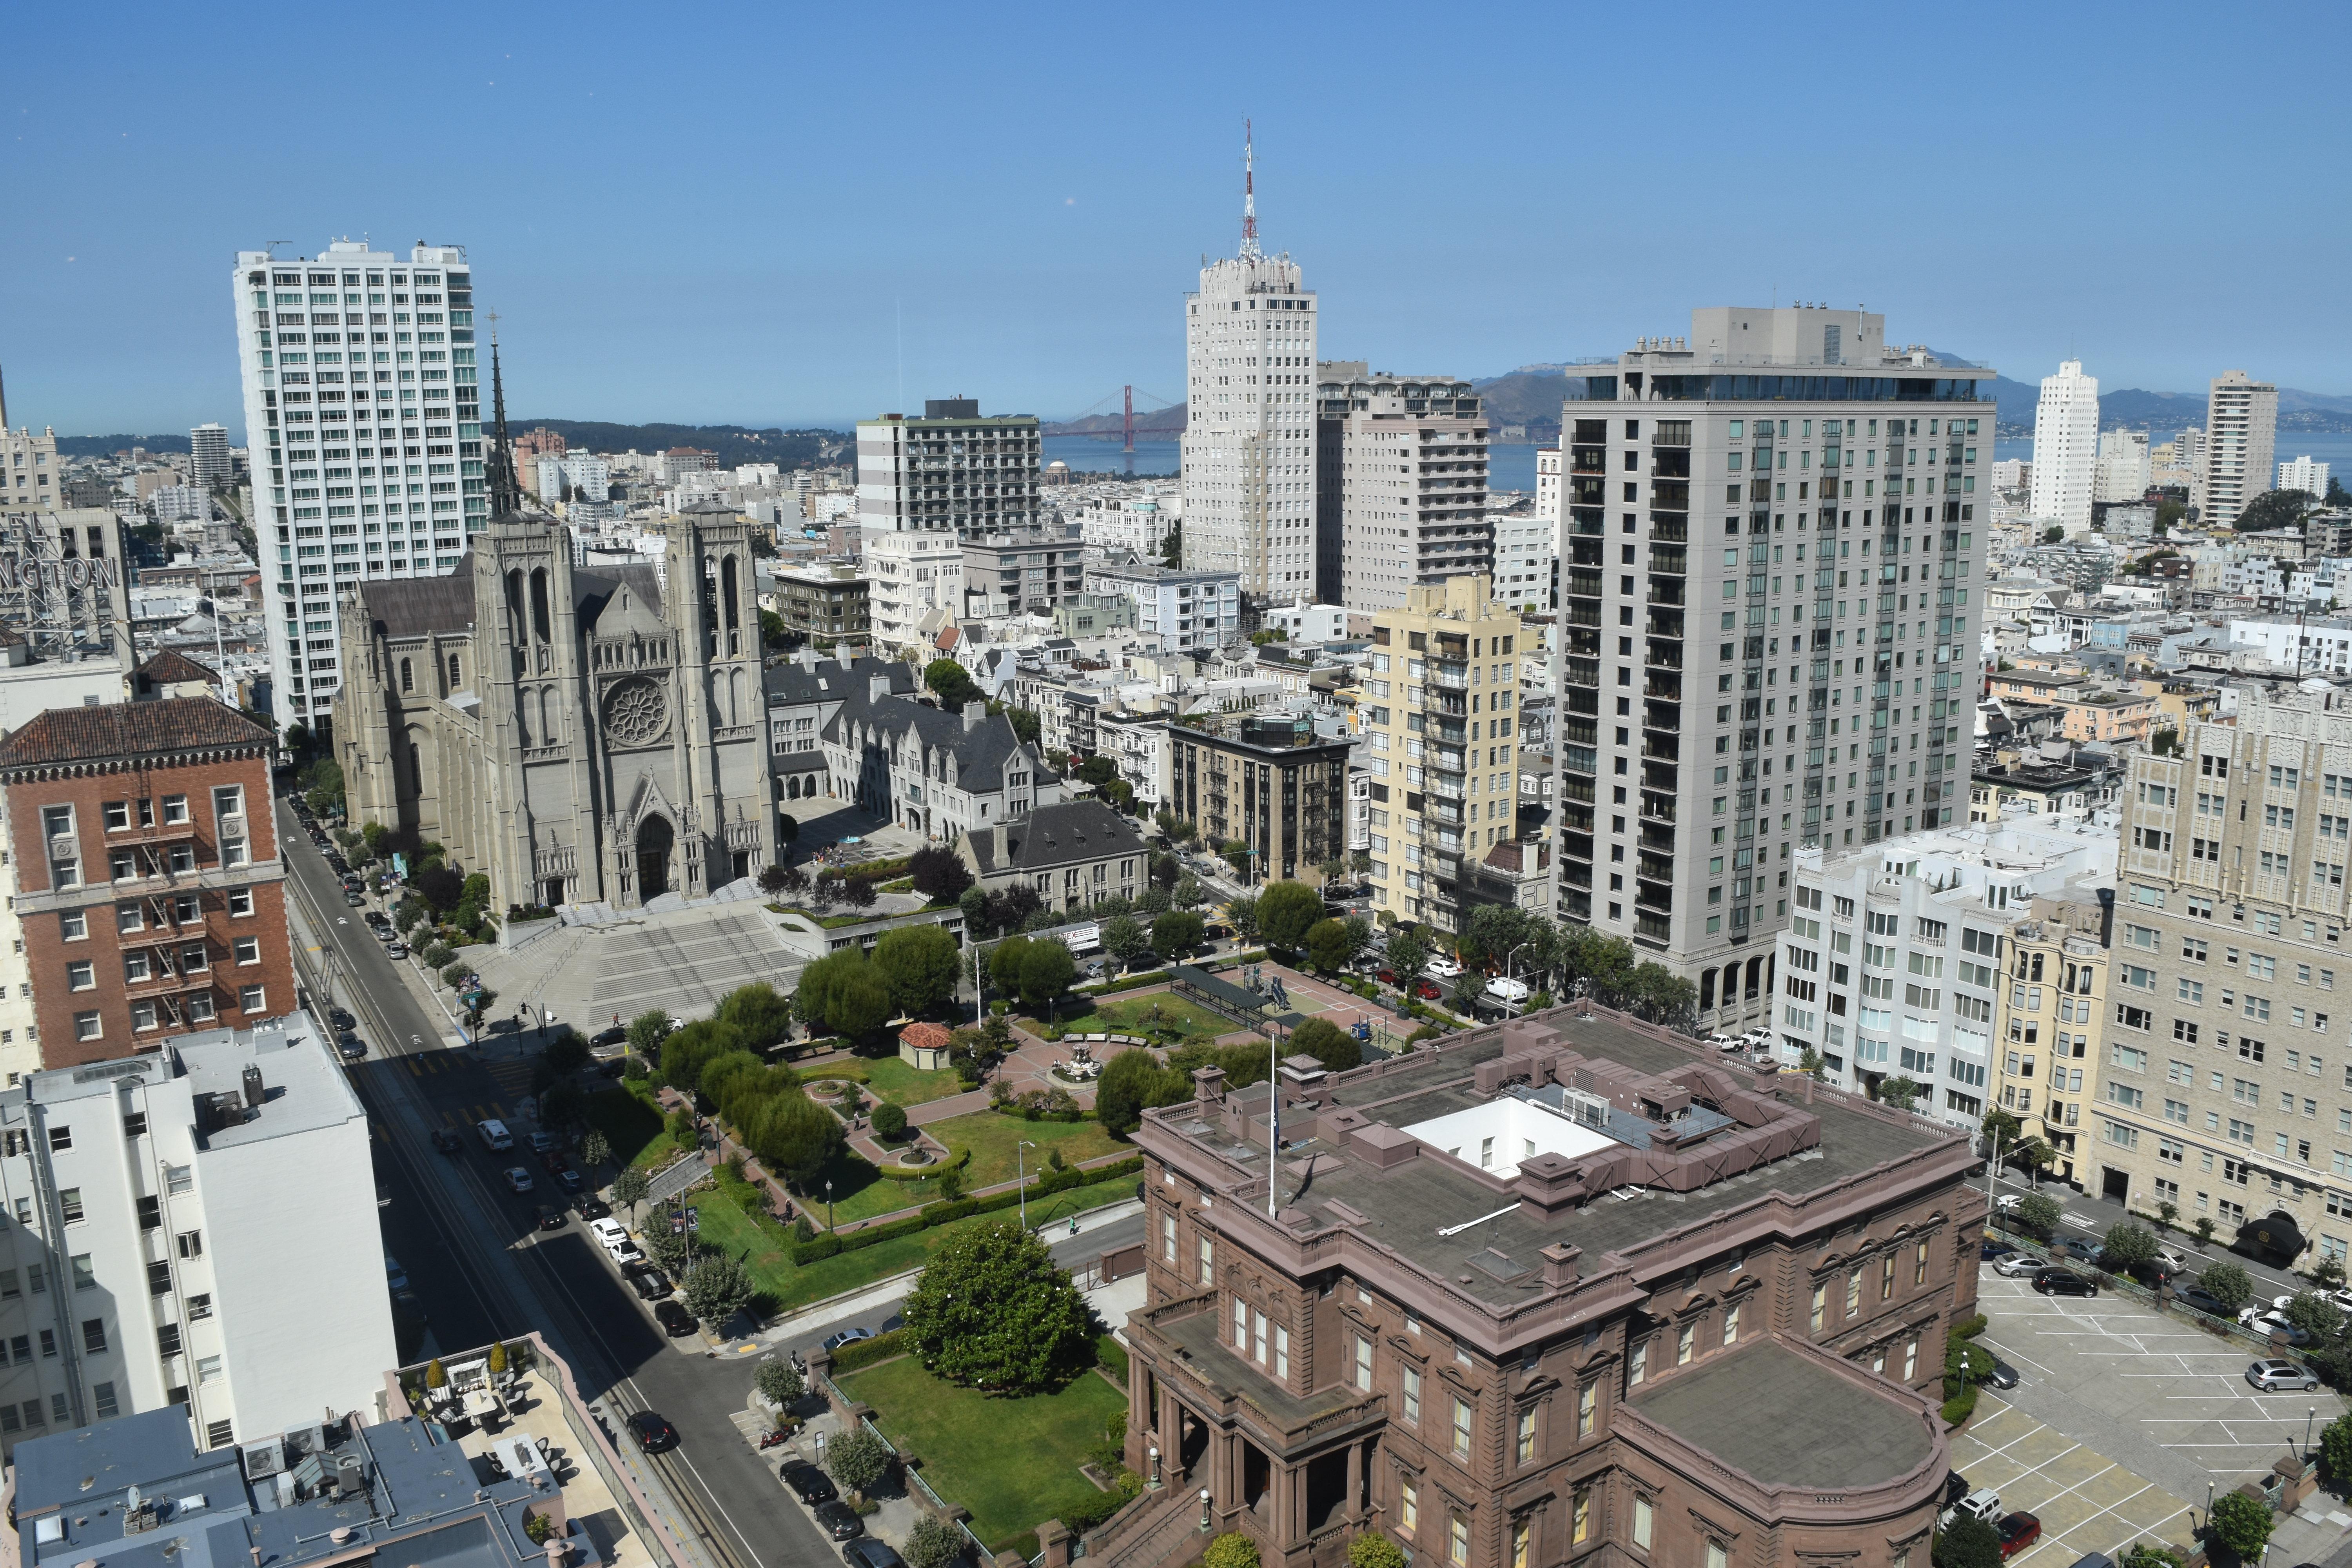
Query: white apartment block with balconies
{"type": "Point", "coordinates": [364, 422]}
{"type": "Point", "coordinates": [1411, 470]}
{"type": "Point", "coordinates": [1248, 473]}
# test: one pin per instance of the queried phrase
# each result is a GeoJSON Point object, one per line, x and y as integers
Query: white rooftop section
{"type": "Point", "coordinates": [1497, 1135]}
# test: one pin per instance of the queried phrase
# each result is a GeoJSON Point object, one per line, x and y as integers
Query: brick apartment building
{"type": "Point", "coordinates": [1565, 1288]}
{"type": "Point", "coordinates": [148, 877]}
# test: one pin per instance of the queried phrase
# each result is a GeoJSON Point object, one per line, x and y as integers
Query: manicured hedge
{"type": "Point", "coordinates": [1959, 1409]}
{"type": "Point", "coordinates": [1125, 982]}
{"type": "Point", "coordinates": [832, 1242]}
{"type": "Point", "coordinates": [919, 1172]}
{"type": "Point", "coordinates": [866, 1353]}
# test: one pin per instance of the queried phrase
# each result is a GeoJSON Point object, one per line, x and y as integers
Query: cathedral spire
{"type": "Point", "coordinates": [505, 490]}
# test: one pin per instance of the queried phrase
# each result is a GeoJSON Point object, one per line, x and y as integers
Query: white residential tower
{"type": "Point", "coordinates": [2066, 447]}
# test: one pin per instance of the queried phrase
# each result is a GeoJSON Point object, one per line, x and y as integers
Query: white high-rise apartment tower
{"type": "Point", "coordinates": [208, 455]}
{"type": "Point", "coordinates": [1770, 600]}
{"type": "Point", "coordinates": [1405, 469]}
{"type": "Point", "coordinates": [363, 419]}
{"type": "Point", "coordinates": [2124, 469]}
{"type": "Point", "coordinates": [2241, 439]}
{"type": "Point", "coordinates": [2305, 474]}
{"type": "Point", "coordinates": [2066, 445]}
{"type": "Point", "coordinates": [1249, 430]}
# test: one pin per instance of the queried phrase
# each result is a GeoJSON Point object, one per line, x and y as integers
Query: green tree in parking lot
{"type": "Point", "coordinates": [2039, 1213]}
{"type": "Point", "coordinates": [2336, 1447]}
{"type": "Point", "coordinates": [2127, 1246]}
{"type": "Point", "coordinates": [2241, 1523]}
{"type": "Point", "coordinates": [857, 1459]}
{"type": "Point", "coordinates": [2228, 1284]}
{"type": "Point", "coordinates": [1969, 1543]}
{"type": "Point", "coordinates": [2316, 1315]}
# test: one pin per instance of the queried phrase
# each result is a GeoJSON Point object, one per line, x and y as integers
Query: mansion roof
{"type": "Point", "coordinates": [1068, 833]}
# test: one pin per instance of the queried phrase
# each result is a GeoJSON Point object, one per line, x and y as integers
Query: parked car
{"type": "Point", "coordinates": [357, 900]}
{"type": "Point", "coordinates": [867, 1552]}
{"type": "Point", "coordinates": [1426, 991]}
{"type": "Point", "coordinates": [2020, 1266]}
{"type": "Point", "coordinates": [654, 1435]}
{"type": "Point", "coordinates": [616, 1034]}
{"type": "Point", "coordinates": [674, 1319]}
{"type": "Point", "coordinates": [396, 950]}
{"type": "Point", "coordinates": [341, 1018]}
{"type": "Point", "coordinates": [2204, 1300]}
{"type": "Point", "coordinates": [650, 1285]}
{"type": "Point", "coordinates": [1503, 988]}
{"type": "Point", "coordinates": [1441, 966]}
{"type": "Point", "coordinates": [1955, 1487]}
{"type": "Point", "coordinates": [351, 1046]}
{"type": "Point", "coordinates": [552, 1219]}
{"type": "Point", "coordinates": [834, 1342]}
{"type": "Point", "coordinates": [411, 1305]}
{"type": "Point", "coordinates": [446, 1140]}
{"type": "Point", "coordinates": [544, 1142]}
{"type": "Point", "coordinates": [495, 1136]}
{"type": "Point", "coordinates": [2270, 1376]}
{"type": "Point", "coordinates": [2003, 1374]}
{"type": "Point", "coordinates": [2073, 1248]}
{"type": "Point", "coordinates": [2018, 1531]}
{"type": "Point", "coordinates": [591, 1207]}
{"type": "Point", "coordinates": [518, 1179]}
{"type": "Point", "coordinates": [2273, 1325]}
{"type": "Point", "coordinates": [609, 1233]}
{"type": "Point", "coordinates": [1984, 1503]}
{"type": "Point", "coordinates": [839, 1521]}
{"type": "Point", "coordinates": [2007, 1203]}
{"type": "Point", "coordinates": [2059, 1282]}
{"type": "Point", "coordinates": [809, 1484]}
{"type": "Point", "coordinates": [1994, 1251]}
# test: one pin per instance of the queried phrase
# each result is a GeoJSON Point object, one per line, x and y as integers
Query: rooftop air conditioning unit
{"type": "Point", "coordinates": [267, 1458]}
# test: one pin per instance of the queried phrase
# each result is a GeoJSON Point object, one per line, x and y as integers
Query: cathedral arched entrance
{"type": "Point", "coordinates": [656, 839]}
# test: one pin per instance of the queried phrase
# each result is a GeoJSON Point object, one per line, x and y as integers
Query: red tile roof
{"type": "Point", "coordinates": [172, 666]}
{"type": "Point", "coordinates": [124, 730]}
{"type": "Point", "coordinates": [926, 1036]}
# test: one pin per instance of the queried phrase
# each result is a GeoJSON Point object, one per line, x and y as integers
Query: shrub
{"type": "Point", "coordinates": [1370, 1551]}
{"type": "Point", "coordinates": [1232, 1549]}
{"type": "Point", "coordinates": [889, 1120]}
{"type": "Point", "coordinates": [856, 1460]}
{"type": "Point", "coordinates": [778, 1380]}
{"type": "Point", "coordinates": [1960, 1406]}
{"type": "Point", "coordinates": [933, 1543]}
{"type": "Point", "coordinates": [2241, 1523]}
{"type": "Point", "coordinates": [1969, 1543]}
{"type": "Point", "coordinates": [2228, 1283]}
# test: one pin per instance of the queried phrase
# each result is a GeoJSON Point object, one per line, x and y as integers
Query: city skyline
{"type": "Point", "coordinates": [1073, 212]}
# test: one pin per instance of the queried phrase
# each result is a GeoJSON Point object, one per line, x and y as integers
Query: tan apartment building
{"type": "Point", "coordinates": [2227, 1083]}
{"type": "Point", "coordinates": [1441, 706]}
{"type": "Point", "coordinates": [2039, 687]}
{"type": "Point", "coordinates": [2116, 717]}
{"type": "Point", "coordinates": [2052, 1002]}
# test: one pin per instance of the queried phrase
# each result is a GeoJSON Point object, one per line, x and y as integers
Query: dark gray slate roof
{"type": "Point", "coordinates": [1069, 832]}
{"type": "Point", "coordinates": [980, 752]}
{"type": "Point", "coordinates": [789, 683]}
{"type": "Point", "coordinates": [418, 606]}
{"type": "Point", "coordinates": [591, 591]}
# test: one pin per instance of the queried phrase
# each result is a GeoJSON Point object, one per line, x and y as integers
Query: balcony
{"type": "Point", "coordinates": [1668, 687]}
{"type": "Point", "coordinates": [1663, 748]}
{"type": "Point", "coordinates": [1449, 676]}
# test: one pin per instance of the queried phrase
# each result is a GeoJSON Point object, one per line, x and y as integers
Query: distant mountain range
{"type": "Point", "coordinates": [732, 445]}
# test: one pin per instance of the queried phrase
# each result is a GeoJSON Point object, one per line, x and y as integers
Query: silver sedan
{"type": "Point", "coordinates": [2270, 1376]}
{"type": "Point", "coordinates": [2020, 1266]}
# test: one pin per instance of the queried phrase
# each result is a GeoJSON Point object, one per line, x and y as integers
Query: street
{"type": "Point", "coordinates": [483, 1270]}
{"type": "Point", "coordinates": [2089, 1218]}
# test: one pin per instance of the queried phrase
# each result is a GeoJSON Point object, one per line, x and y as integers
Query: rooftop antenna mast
{"type": "Point", "coordinates": [1249, 194]}
{"type": "Point", "coordinates": [506, 498]}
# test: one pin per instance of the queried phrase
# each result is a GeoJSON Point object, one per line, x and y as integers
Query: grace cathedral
{"type": "Point", "coordinates": [579, 736]}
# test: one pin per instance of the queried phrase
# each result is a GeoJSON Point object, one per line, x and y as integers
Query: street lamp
{"type": "Point", "coordinates": [828, 1203]}
{"type": "Point", "coordinates": [1021, 1179]}
{"type": "Point", "coordinates": [2306, 1428]}
{"type": "Point", "coordinates": [1205, 1508]}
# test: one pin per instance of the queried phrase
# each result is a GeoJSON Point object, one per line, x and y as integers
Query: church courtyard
{"type": "Point", "coordinates": [681, 961]}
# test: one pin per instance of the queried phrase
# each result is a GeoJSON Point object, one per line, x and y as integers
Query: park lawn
{"type": "Point", "coordinates": [890, 1079]}
{"type": "Point", "coordinates": [861, 1192]}
{"type": "Point", "coordinates": [995, 1138]}
{"type": "Point", "coordinates": [789, 1286]}
{"type": "Point", "coordinates": [1014, 1462]}
{"type": "Point", "coordinates": [639, 1136]}
{"type": "Point", "coordinates": [764, 1247]}
{"type": "Point", "coordinates": [1159, 1010]}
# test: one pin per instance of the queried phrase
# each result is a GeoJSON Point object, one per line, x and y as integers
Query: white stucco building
{"type": "Point", "coordinates": [2066, 445]}
{"type": "Point", "coordinates": [155, 1210]}
{"type": "Point", "coordinates": [2304, 474]}
{"type": "Point", "coordinates": [2123, 467]}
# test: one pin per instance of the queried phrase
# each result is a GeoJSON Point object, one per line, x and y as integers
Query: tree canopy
{"type": "Point", "coordinates": [919, 965]}
{"type": "Point", "coordinates": [1328, 1043]}
{"type": "Point", "coordinates": [950, 682]}
{"type": "Point", "coordinates": [1286, 910]}
{"type": "Point", "coordinates": [939, 873]}
{"type": "Point", "coordinates": [1132, 1082]}
{"type": "Point", "coordinates": [993, 1310]}
{"type": "Point", "coordinates": [845, 993]}
{"type": "Point", "coordinates": [1175, 933]}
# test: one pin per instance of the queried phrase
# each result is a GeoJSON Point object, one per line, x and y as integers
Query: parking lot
{"type": "Point", "coordinates": [2122, 1419]}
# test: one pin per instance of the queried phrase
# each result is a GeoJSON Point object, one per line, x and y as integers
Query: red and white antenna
{"type": "Point", "coordinates": [1249, 196]}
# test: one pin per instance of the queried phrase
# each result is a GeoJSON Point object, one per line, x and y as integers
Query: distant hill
{"type": "Point", "coordinates": [732, 444]}
{"type": "Point", "coordinates": [107, 445]}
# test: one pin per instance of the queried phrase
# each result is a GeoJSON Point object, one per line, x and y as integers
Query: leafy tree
{"type": "Point", "coordinates": [1165, 871]}
{"type": "Point", "coordinates": [1328, 947]}
{"type": "Point", "coordinates": [1811, 1064]}
{"type": "Point", "coordinates": [2238, 1522]}
{"type": "Point", "coordinates": [1132, 1082]}
{"type": "Point", "coordinates": [1899, 1092]}
{"type": "Point", "coordinates": [857, 892]}
{"type": "Point", "coordinates": [1968, 1543]}
{"type": "Point", "coordinates": [951, 683]}
{"type": "Point", "coordinates": [2039, 1213]}
{"type": "Point", "coordinates": [856, 1460]}
{"type": "Point", "coordinates": [793, 1135]}
{"type": "Point", "coordinates": [1495, 932]}
{"type": "Point", "coordinates": [595, 1149]}
{"type": "Point", "coordinates": [2166, 1214]}
{"type": "Point", "coordinates": [2204, 1230]}
{"type": "Point", "coordinates": [772, 630]}
{"type": "Point", "coordinates": [1407, 953]}
{"type": "Point", "coordinates": [933, 1543]}
{"type": "Point", "coordinates": [1188, 893]}
{"type": "Point", "coordinates": [1232, 1549]}
{"type": "Point", "coordinates": [1328, 1043]}
{"type": "Point", "coordinates": [2035, 1154]}
{"type": "Point", "coordinates": [717, 1288]}
{"type": "Point", "coordinates": [2054, 533]}
{"type": "Point", "coordinates": [1175, 933]}
{"type": "Point", "coordinates": [2127, 1246]}
{"type": "Point", "coordinates": [2316, 1315]}
{"type": "Point", "coordinates": [1046, 971]}
{"type": "Point", "coordinates": [1167, 822]}
{"type": "Point", "coordinates": [2335, 1446]}
{"type": "Point", "coordinates": [772, 880]}
{"type": "Point", "coordinates": [673, 1249]}
{"type": "Point", "coordinates": [939, 873]}
{"type": "Point", "coordinates": [974, 902]}
{"type": "Point", "coordinates": [758, 1012]}
{"type": "Point", "coordinates": [1371, 1550]}
{"type": "Point", "coordinates": [1153, 901]}
{"type": "Point", "coordinates": [842, 993]}
{"type": "Point", "coordinates": [647, 1030]}
{"type": "Point", "coordinates": [2228, 1284]}
{"type": "Point", "coordinates": [1123, 939]}
{"type": "Point", "coordinates": [919, 963]}
{"type": "Point", "coordinates": [1005, 963]}
{"type": "Point", "coordinates": [1241, 914]}
{"type": "Point", "coordinates": [1236, 854]}
{"type": "Point", "coordinates": [2143, 1555]}
{"type": "Point", "coordinates": [889, 1120]}
{"type": "Point", "coordinates": [1286, 910]}
{"type": "Point", "coordinates": [2275, 508]}
{"type": "Point", "coordinates": [2002, 1126]}
{"type": "Point", "coordinates": [993, 1310]}
{"type": "Point", "coordinates": [1010, 906]}
{"type": "Point", "coordinates": [629, 1189]}
{"type": "Point", "coordinates": [439, 886]}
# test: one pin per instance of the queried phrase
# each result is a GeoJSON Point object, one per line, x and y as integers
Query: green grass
{"type": "Point", "coordinates": [861, 1192]}
{"type": "Point", "coordinates": [993, 1139]}
{"type": "Point", "coordinates": [1014, 1462]}
{"type": "Point", "coordinates": [890, 1079]}
{"type": "Point", "coordinates": [762, 1243]}
{"type": "Point", "coordinates": [789, 1286]}
{"type": "Point", "coordinates": [637, 1132]}
{"type": "Point", "coordinates": [1135, 1016]}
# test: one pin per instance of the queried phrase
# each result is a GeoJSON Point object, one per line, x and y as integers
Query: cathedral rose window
{"type": "Point", "coordinates": [634, 713]}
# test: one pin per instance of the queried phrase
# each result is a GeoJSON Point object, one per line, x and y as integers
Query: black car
{"type": "Point", "coordinates": [867, 1552]}
{"type": "Point", "coordinates": [650, 1285]}
{"type": "Point", "coordinates": [840, 1521]}
{"type": "Point", "coordinates": [552, 1219]}
{"type": "Point", "coordinates": [612, 1037]}
{"type": "Point", "coordinates": [2058, 1282]}
{"type": "Point", "coordinates": [411, 1305]}
{"type": "Point", "coordinates": [2003, 1374]}
{"type": "Point", "coordinates": [342, 1019]}
{"type": "Point", "coordinates": [809, 1484]}
{"type": "Point", "coordinates": [674, 1319]}
{"type": "Point", "coordinates": [653, 1434]}
{"type": "Point", "coordinates": [2203, 1300]}
{"type": "Point", "coordinates": [1955, 1487]}
{"type": "Point", "coordinates": [590, 1207]}
{"type": "Point", "coordinates": [449, 1143]}
{"type": "Point", "coordinates": [352, 1048]}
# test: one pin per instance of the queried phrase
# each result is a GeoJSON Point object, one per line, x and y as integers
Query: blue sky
{"type": "Point", "coordinates": [718, 215]}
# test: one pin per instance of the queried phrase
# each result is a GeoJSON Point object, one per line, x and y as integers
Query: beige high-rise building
{"type": "Point", "coordinates": [2226, 1074]}
{"type": "Point", "coordinates": [1411, 480]}
{"type": "Point", "coordinates": [2240, 446]}
{"type": "Point", "coordinates": [2053, 999]}
{"type": "Point", "coordinates": [1441, 711]}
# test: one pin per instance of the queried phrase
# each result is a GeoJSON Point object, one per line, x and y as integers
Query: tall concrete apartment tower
{"type": "Point", "coordinates": [2240, 446]}
{"type": "Point", "coordinates": [362, 416]}
{"type": "Point", "coordinates": [208, 453]}
{"type": "Point", "coordinates": [1249, 460]}
{"type": "Point", "coordinates": [2066, 447]}
{"type": "Point", "coordinates": [1770, 531]}
{"type": "Point", "coordinates": [926, 486]}
{"type": "Point", "coordinates": [1411, 470]}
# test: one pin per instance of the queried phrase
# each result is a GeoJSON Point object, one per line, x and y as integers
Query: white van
{"type": "Point", "coordinates": [495, 1136]}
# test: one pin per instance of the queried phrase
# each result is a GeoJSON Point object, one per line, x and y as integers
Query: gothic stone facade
{"type": "Point", "coordinates": [579, 736]}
